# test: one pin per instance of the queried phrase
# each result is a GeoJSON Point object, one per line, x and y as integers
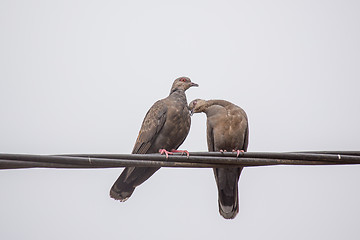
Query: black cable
{"type": "Point", "coordinates": [195, 160]}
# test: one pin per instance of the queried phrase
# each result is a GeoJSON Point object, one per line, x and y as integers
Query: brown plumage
{"type": "Point", "coordinates": [227, 130]}
{"type": "Point", "coordinates": [165, 126]}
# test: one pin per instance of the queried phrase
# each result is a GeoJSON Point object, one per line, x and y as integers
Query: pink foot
{"type": "Point", "coordinates": [238, 152]}
{"type": "Point", "coordinates": [182, 151]}
{"type": "Point", "coordinates": [222, 150]}
{"type": "Point", "coordinates": [162, 151]}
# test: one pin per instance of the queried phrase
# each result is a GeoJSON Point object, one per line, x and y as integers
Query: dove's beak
{"type": "Point", "coordinates": [194, 84]}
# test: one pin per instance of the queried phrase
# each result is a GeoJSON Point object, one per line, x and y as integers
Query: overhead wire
{"type": "Point", "coordinates": [194, 160]}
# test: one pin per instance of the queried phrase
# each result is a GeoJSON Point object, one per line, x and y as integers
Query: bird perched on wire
{"type": "Point", "coordinates": [164, 129]}
{"type": "Point", "coordinates": [227, 130]}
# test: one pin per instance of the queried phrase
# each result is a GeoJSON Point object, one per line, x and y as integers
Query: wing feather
{"type": "Point", "coordinates": [153, 123]}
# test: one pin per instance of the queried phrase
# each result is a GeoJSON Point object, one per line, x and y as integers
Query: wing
{"type": "Point", "coordinates": [131, 177]}
{"type": "Point", "coordinates": [210, 137]}
{"type": "Point", "coordinates": [153, 122]}
{"type": "Point", "coordinates": [244, 129]}
{"type": "Point", "coordinates": [246, 139]}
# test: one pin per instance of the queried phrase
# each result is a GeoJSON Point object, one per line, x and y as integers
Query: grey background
{"type": "Point", "coordinates": [78, 77]}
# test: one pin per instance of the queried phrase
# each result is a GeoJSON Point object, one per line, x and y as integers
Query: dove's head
{"type": "Point", "coordinates": [182, 83]}
{"type": "Point", "coordinates": [197, 105]}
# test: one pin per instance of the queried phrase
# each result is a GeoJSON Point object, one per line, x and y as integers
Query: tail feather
{"type": "Point", "coordinates": [129, 179]}
{"type": "Point", "coordinates": [227, 183]}
{"type": "Point", "coordinates": [228, 211]}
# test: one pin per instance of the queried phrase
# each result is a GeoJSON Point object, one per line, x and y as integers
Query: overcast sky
{"type": "Point", "coordinates": [78, 77]}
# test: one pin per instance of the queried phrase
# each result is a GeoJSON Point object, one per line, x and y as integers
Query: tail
{"type": "Point", "coordinates": [227, 183]}
{"type": "Point", "coordinates": [129, 179]}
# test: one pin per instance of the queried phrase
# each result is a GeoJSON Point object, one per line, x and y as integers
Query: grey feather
{"type": "Point", "coordinates": [165, 126]}
{"type": "Point", "coordinates": [227, 130]}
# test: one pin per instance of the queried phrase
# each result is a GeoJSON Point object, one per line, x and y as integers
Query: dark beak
{"type": "Point", "coordinates": [194, 84]}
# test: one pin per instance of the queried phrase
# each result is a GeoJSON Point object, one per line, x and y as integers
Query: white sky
{"type": "Point", "coordinates": [78, 77]}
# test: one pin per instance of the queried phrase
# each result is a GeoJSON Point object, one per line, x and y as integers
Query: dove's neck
{"type": "Point", "coordinates": [214, 107]}
{"type": "Point", "coordinates": [179, 94]}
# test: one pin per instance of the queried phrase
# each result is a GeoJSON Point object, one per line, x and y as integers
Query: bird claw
{"type": "Point", "coordinates": [182, 152]}
{"type": "Point", "coordinates": [162, 151]}
{"type": "Point", "coordinates": [238, 152]}
{"type": "Point", "coordinates": [222, 151]}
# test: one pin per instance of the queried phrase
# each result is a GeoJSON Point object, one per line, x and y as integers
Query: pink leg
{"type": "Point", "coordinates": [222, 150]}
{"type": "Point", "coordinates": [162, 151]}
{"type": "Point", "coordinates": [238, 152]}
{"type": "Point", "coordinates": [182, 151]}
